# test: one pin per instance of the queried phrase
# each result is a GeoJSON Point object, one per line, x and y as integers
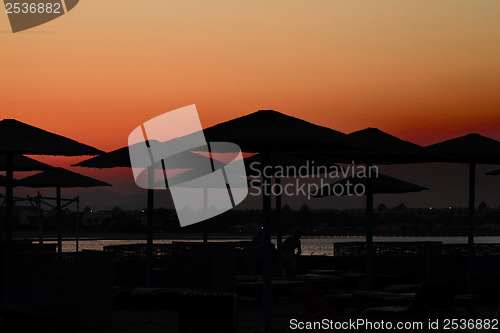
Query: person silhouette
{"type": "Point", "coordinates": [290, 245]}
{"type": "Point", "coordinates": [258, 245]}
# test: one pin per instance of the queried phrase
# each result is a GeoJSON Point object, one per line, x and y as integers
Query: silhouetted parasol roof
{"type": "Point", "coordinates": [3, 181]}
{"type": "Point", "coordinates": [23, 163]}
{"type": "Point", "coordinates": [272, 131]}
{"type": "Point", "coordinates": [121, 158]}
{"type": "Point", "coordinates": [382, 147]}
{"type": "Point", "coordinates": [59, 177]}
{"type": "Point", "coordinates": [113, 159]}
{"type": "Point", "coordinates": [20, 138]}
{"type": "Point", "coordinates": [17, 138]}
{"type": "Point", "coordinates": [494, 173]}
{"type": "Point", "coordinates": [470, 148]}
{"type": "Point", "coordinates": [381, 185]}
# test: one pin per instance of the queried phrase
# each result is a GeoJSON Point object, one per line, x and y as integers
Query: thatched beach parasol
{"type": "Point", "coordinates": [17, 138]}
{"type": "Point", "coordinates": [23, 163]}
{"type": "Point", "coordinates": [471, 149]}
{"type": "Point", "coordinates": [270, 132]}
{"type": "Point", "coordinates": [381, 148]}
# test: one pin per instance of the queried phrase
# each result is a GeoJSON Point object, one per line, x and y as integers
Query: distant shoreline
{"type": "Point", "coordinates": [52, 236]}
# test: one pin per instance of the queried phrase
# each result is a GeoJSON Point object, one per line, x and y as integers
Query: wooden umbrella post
{"type": "Point", "coordinates": [59, 219]}
{"type": "Point", "coordinates": [267, 290]}
{"type": "Point", "coordinates": [279, 233]}
{"type": "Point", "coordinates": [77, 222]}
{"type": "Point", "coordinates": [369, 230]}
{"type": "Point", "coordinates": [205, 196]}
{"type": "Point", "coordinates": [470, 243]}
{"type": "Point", "coordinates": [149, 241]}
{"type": "Point", "coordinates": [8, 225]}
{"type": "Point", "coordinates": [39, 218]}
{"type": "Point", "coordinates": [205, 208]}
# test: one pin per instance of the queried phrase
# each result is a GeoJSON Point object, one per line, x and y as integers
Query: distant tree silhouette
{"type": "Point", "coordinates": [286, 209]}
{"type": "Point", "coordinates": [305, 209]}
{"type": "Point", "coordinates": [116, 210]}
{"type": "Point", "coordinates": [381, 207]}
{"type": "Point", "coordinates": [401, 206]}
{"type": "Point", "coordinates": [482, 206]}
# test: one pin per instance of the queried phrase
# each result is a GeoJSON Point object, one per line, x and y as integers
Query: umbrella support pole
{"type": "Point", "coordinates": [279, 233]}
{"type": "Point", "coordinates": [205, 196]}
{"type": "Point", "coordinates": [59, 222]}
{"type": "Point", "coordinates": [39, 218]}
{"type": "Point", "coordinates": [205, 232]}
{"type": "Point", "coordinates": [205, 208]}
{"type": "Point", "coordinates": [267, 265]}
{"type": "Point", "coordinates": [470, 233]}
{"type": "Point", "coordinates": [149, 241]}
{"type": "Point", "coordinates": [8, 226]}
{"type": "Point", "coordinates": [77, 223]}
{"type": "Point", "coordinates": [369, 231]}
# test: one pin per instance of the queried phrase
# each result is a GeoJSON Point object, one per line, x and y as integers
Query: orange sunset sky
{"type": "Point", "coordinates": [423, 70]}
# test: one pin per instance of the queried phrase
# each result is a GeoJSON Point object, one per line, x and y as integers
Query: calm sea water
{"type": "Point", "coordinates": [310, 246]}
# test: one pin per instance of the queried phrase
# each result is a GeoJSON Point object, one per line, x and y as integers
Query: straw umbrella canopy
{"type": "Point", "coordinates": [18, 138]}
{"type": "Point", "coordinates": [60, 178]}
{"type": "Point", "coordinates": [270, 132]}
{"type": "Point", "coordinates": [121, 158]}
{"type": "Point", "coordinates": [384, 148]}
{"type": "Point", "coordinates": [3, 181]}
{"type": "Point", "coordinates": [381, 148]}
{"type": "Point", "coordinates": [23, 163]}
{"type": "Point", "coordinates": [471, 149]}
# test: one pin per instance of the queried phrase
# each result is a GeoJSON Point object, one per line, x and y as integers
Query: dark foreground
{"type": "Point", "coordinates": [217, 287]}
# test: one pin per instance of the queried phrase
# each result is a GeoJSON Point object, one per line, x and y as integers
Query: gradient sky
{"type": "Point", "coordinates": [423, 70]}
